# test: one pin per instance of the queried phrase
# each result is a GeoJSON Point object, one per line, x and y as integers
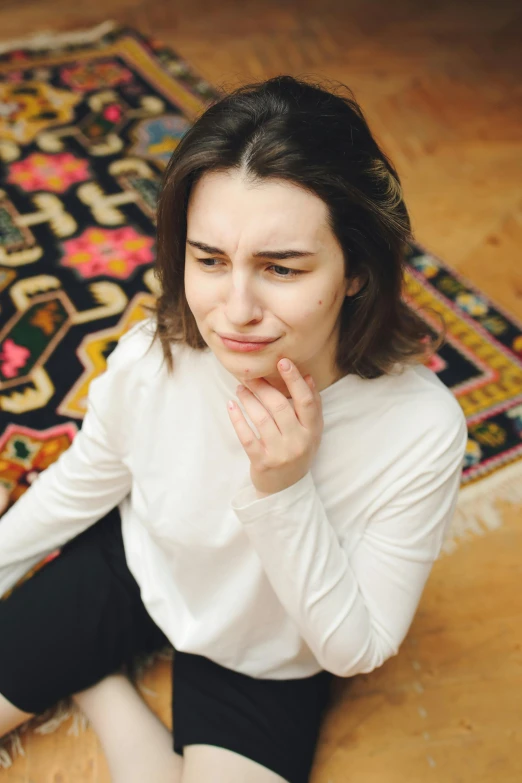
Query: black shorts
{"type": "Point", "coordinates": [80, 618]}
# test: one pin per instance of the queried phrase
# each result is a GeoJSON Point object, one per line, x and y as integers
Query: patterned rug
{"type": "Point", "coordinates": [88, 122]}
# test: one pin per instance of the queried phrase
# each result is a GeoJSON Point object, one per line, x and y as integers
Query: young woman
{"type": "Point", "coordinates": [275, 543]}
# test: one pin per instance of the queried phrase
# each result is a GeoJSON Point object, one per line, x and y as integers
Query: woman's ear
{"type": "Point", "coordinates": [354, 286]}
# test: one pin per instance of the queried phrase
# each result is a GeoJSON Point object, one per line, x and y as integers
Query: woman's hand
{"type": "Point", "coordinates": [290, 436]}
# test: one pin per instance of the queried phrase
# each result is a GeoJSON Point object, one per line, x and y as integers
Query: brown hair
{"type": "Point", "coordinates": [292, 129]}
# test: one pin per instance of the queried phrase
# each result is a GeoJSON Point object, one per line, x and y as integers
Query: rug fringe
{"type": "Point", "coordinates": [47, 39]}
{"type": "Point", "coordinates": [14, 741]}
{"type": "Point", "coordinates": [477, 509]}
{"type": "Point", "coordinates": [63, 711]}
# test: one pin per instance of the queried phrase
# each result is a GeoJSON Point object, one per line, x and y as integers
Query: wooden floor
{"type": "Point", "coordinates": [440, 84]}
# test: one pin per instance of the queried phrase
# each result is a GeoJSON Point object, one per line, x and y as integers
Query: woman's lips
{"type": "Point", "coordinates": [234, 345]}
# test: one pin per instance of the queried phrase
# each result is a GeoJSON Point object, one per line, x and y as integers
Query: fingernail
{"type": "Point", "coordinates": [284, 364]}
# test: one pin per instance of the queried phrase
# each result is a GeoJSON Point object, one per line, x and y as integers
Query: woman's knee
{"type": "Point", "coordinates": [97, 697]}
{"type": "Point", "coordinates": [11, 716]}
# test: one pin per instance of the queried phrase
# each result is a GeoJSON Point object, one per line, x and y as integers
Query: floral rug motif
{"type": "Point", "coordinates": [88, 122]}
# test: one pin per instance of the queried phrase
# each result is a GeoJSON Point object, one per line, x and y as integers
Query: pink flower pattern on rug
{"type": "Point", "coordinates": [12, 358]}
{"type": "Point", "coordinates": [111, 252]}
{"type": "Point", "coordinates": [49, 172]}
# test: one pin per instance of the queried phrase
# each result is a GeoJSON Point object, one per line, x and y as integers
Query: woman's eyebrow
{"type": "Point", "coordinates": [275, 254]}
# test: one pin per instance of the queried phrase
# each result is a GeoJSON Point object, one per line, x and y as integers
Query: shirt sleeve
{"type": "Point", "coordinates": [354, 600]}
{"type": "Point", "coordinates": [84, 483]}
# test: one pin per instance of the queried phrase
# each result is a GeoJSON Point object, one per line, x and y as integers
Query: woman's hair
{"type": "Point", "coordinates": [294, 130]}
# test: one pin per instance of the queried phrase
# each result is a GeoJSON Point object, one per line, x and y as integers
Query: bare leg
{"type": "Point", "coordinates": [220, 765]}
{"type": "Point", "coordinates": [136, 743]}
{"type": "Point", "coordinates": [11, 716]}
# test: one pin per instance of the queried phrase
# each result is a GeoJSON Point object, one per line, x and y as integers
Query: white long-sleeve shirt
{"type": "Point", "coordinates": [325, 574]}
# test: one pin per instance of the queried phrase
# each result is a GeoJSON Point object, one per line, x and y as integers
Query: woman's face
{"type": "Point", "coordinates": [237, 292]}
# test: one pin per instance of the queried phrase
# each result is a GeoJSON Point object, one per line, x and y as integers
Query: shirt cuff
{"type": "Point", "coordinates": [249, 507]}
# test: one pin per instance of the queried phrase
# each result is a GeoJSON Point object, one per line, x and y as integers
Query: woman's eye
{"type": "Point", "coordinates": [291, 272]}
{"type": "Point", "coordinates": [202, 261]}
